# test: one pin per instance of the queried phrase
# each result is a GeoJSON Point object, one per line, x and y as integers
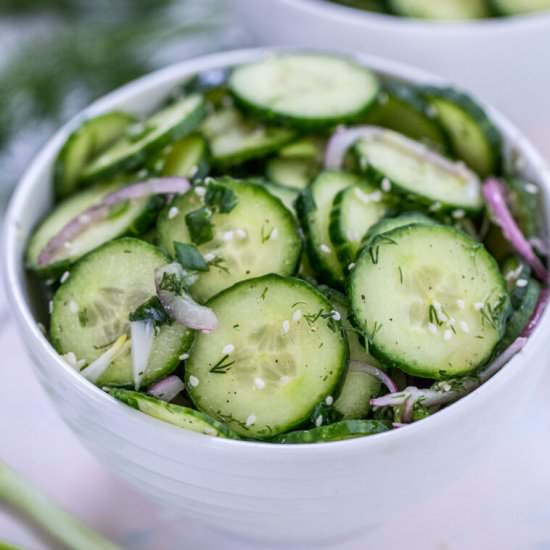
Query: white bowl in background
{"type": "Point", "coordinates": [503, 60]}
{"type": "Point", "coordinates": [257, 490]}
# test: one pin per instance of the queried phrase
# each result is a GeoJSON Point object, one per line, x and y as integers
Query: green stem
{"type": "Point", "coordinates": [21, 497]}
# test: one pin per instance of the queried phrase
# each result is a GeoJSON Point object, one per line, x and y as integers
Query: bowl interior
{"type": "Point", "coordinates": [33, 198]}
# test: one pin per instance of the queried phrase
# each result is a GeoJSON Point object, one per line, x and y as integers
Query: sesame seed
{"type": "Point", "coordinates": [68, 244]}
{"type": "Point", "coordinates": [351, 266]}
{"type": "Point", "coordinates": [458, 214]}
{"type": "Point", "coordinates": [432, 328]}
{"type": "Point", "coordinates": [259, 383]}
{"type": "Point", "coordinates": [227, 236]}
{"type": "Point", "coordinates": [173, 212]}
{"type": "Point", "coordinates": [363, 197]}
{"type": "Point", "coordinates": [447, 335]}
{"type": "Point", "coordinates": [324, 248]}
{"type": "Point", "coordinates": [464, 326]}
{"type": "Point", "coordinates": [209, 256]}
{"type": "Point", "coordinates": [297, 315]}
{"type": "Point", "coordinates": [64, 277]}
{"type": "Point", "coordinates": [284, 380]}
{"type": "Point", "coordinates": [445, 386]}
{"type": "Point", "coordinates": [329, 400]}
{"type": "Point", "coordinates": [531, 188]}
{"type": "Point", "coordinates": [274, 234]}
{"type": "Point", "coordinates": [460, 304]}
{"type": "Point", "coordinates": [250, 420]}
{"type": "Point", "coordinates": [435, 206]}
{"type": "Point", "coordinates": [286, 326]}
{"type": "Point", "coordinates": [335, 315]}
{"type": "Point", "coordinates": [241, 233]}
{"type": "Point", "coordinates": [73, 307]}
{"type": "Point", "coordinates": [184, 357]}
{"type": "Point", "coordinates": [478, 306]}
{"type": "Point", "coordinates": [200, 191]}
{"type": "Point", "coordinates": [386, 185]}
{"type": "Point", "coordinates": [193, 381]}
{"type": "Point", "coordinates": [319, 421]}
{"type": "Point", "coordinates": [230, 348]}
{"type": "Point", "coordinates": [521, 283]}
{"type": "Point", "coordinates": [376, 196]}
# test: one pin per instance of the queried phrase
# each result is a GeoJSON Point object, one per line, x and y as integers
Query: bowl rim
{"type": "Point", "coordinates": [350, 15]}
{"type": "Point", "coordinates": [36, 341]}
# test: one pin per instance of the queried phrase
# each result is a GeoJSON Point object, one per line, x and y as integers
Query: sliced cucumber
{"type": "Point", "coordinates": [387, 224]}
{"type": "Point", "coordinates": [474, 138]}
{"type": "Point", "coordinates": [292, 172]}
{"type": "Point", "coordinates": [430, 300]}
{"type": "Point", "coordinates": [358, 389]}
{"type": "Point", "coordinates": [147, 138]}
{"type": "Point", "coordinates": [523, 199]}
{"type": "Point", "coordinates": [409, 168]}
{"type": "Point", "coordinates": [354, 211]}
{"type": "Point", "coordinates": [91, 308]}
{"type": "Point", "coordinates": [182, 417]}
{"type": "Point", "coordinates": [518, 7]}
{"type": "Point", "coordinates": [308, 90]}
{"type": "Point", "coordinates": [441, 9]}
{"type": "Point", "coordinates": [286, 195]}
{"type": "Point", "coordinates": [187, 158]}
{"type": "Point", "coordinates": [134, 218]}
{"type": "Point", "coordinates": [345, 429]}
{"type": "Point", "coordinates": [314, 206]}
{"type": "Point", "coordinates": [402, 109]}
{"type": "Point", "coordinates": [89, 140]}
{"type": "Point", "coordinates": [264, 372]}
{"type": "Point", "coordinates": [234, 139]}
{"type": "Point", "coordinates": [258, 236]}
{"type": "Point", "coordinates": [311, 147]}
{"type": "Point", "coordinates": [521, 316]}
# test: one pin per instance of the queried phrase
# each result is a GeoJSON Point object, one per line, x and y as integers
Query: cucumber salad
{"type": "Point", "coordinates": [449, 10]}
{"type": "Point", "coordinates": [293, 250]}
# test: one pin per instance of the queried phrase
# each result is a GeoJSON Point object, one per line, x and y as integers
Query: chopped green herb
{"type": "Point", "coordinates": [151, 310]}
{"type": "Point", "coordinates": [200, 226]}
{"type": "Point", "coordinates": [222, 366]}
{"type": "Point", "coordinates": [189, 257]}
{"type": "Point", "coordinates": [220, 198]}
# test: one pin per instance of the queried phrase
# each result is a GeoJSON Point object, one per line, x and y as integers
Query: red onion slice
{"type": "Point", "coordinates": [98, 212]}
{"type": "Point", "coordinates": [446, 392]}
{"type": "Point", "coordinates": [167, 389]}
{"type": "Point", "coordinates": [342, 140]}
{"type": "Point", "coordinates": [95, 369]}
{"type": "Point", "coordinates": [180, 306]}
{"type": "Point", "coordinates": [142, 335]}
{"type": "Point", "coordinates": [376, 372]}
{"type": "Point", "coordinates": [495, 196]}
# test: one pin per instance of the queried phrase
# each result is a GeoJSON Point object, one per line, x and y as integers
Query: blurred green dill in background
{"type": "Point", "coordinates": [56, 56]}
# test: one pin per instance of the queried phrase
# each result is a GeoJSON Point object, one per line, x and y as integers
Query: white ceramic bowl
{"type": "Point", "coordinates": [262, 491]}
{"type": "Point", "coordinates": [501, 60]}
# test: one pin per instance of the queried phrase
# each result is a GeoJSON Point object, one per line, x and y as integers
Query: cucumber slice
{"type": "Point", "coordinates": [264, 372]}
{"type": "Point", "coordinates": [516, 273]}
{"type": "Point", "coordinates": [474, 138]}
{"type": "Point", "coordinates": [187, 158]}
{"type": "Point", "coordinates": [134, 218]}
{"type": "Point", "coordinates": [402, 109]}
{"type": "Point", "coordinates": [430, 300]}
{"type": "Point", "coordinates": [234, 139]}
{"type": "Point", "coordinates": [147, 138]}
{"type": "Point", "coordinates": [354, 399]}
{"type": "Point", "coordinates": [89, 140]}
{"type": "Point", "coordinates": [524, 199]}
{"type": "Point", "coordinates": [314, 206]}
{"type": "Point", "coordinates": [258, 236]}
{"type": "Point", "coordinates": [308, 90]}
{"type": "Point", "coordinates": [345, 429]}
{"type": "Point", "coordinates": [421, 175]}
{"type": "Point", "coordinates": [182, 417]}
{"type": "Point", "coordinates": [310, 147]}
{"type": "Point", "coordinates": [518, 7]}
{"type": "Point", "coordinates": [90, 310]}
{"type": "Point", "coordinates": [448, 10]}
{"type": "Point", "coordinates": [521, 316]}
{"type": "Point", "coordinates": [387, 224]}
{"type": "Point", "coordinates": [354, 211]}
{"type": "Point", "coordinates": [292, 172]}
{"type": "Point", "coordinates": [286, 195]}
